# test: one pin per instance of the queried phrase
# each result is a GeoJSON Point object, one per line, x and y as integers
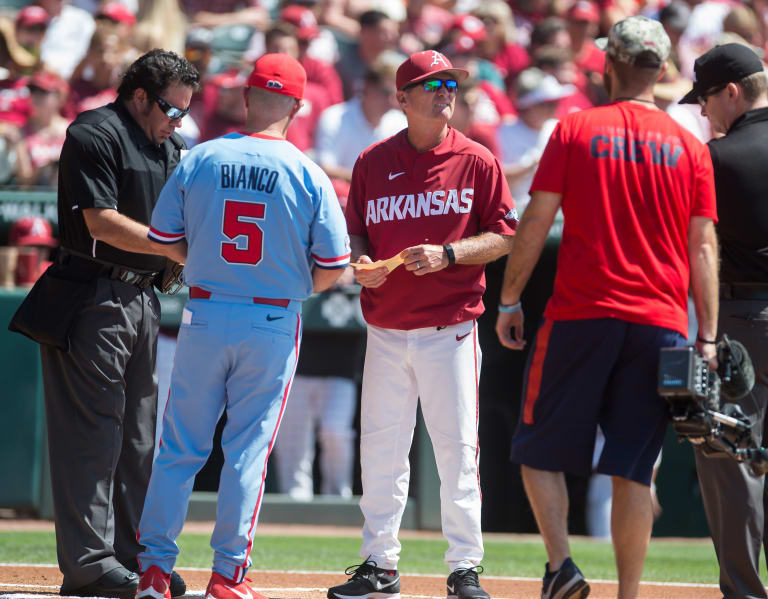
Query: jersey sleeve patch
{"type": "Point", "coordinates": [161, 237]}
{"type": "Point", "coordinates": [336, 262]}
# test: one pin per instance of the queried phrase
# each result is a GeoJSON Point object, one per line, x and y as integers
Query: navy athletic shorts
{"type": "Point", "coordinates": [582, 373]}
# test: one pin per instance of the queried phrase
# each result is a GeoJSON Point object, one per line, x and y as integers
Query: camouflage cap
{"type": "Point", "coordinates": [637, 40]}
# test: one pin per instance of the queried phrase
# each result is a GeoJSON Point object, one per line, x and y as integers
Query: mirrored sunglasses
{"type": "Point", "coordinates": [171, 111]}
{"type": "Point", "coordinates": [432, 85]}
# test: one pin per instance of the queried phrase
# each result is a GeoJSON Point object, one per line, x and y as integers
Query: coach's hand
{"type": "Point", "coordinates": [370, 278]}
{"type": "Point", "coordinates": [505, 323]}
{"type": "Point", "coordinates": [424, 259]}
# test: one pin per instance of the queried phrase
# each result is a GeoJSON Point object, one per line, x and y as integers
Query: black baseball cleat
{"type": "Point", "coordinates": [120, 583]}
{"type": "Point", "coordinates": [566, 583]}
{"type": "Point", "coordinates": [368, 582]}
{"type": "Point", "coordinates": [177, 587]}
{"type": "Point", "coordinates": [463, 584]}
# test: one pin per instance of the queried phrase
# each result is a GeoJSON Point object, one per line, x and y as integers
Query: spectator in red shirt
{"type": "Point", "coordinates": [318, 71]}
{"type": "Point", "coordinates": [465, 119]}
{"type": "Point", "coordinates": [500, 45]}
{"type": "Point", "coordinates": [582, 24]}
{"type": "Point", "coordinates": [44, 132]}
{"type": "Point", "coordinates": [224, 106]}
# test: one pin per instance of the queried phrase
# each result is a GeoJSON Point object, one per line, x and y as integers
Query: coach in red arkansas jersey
{"type": "Point", "coordinates": [441, 202]}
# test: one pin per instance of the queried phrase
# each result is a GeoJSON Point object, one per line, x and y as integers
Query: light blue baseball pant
{"type": "Point", "coordinates": [238, 357]}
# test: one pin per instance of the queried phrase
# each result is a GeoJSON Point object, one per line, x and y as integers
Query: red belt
{"type": "Point", "coordinates": [200, 293]}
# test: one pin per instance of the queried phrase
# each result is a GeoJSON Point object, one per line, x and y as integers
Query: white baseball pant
{"type": "Point", "coordinates": [326, 405]}
{"type": "Point", "coordinates": [441, 369]}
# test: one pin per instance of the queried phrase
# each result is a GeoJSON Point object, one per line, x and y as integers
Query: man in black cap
{"type": "Point", "coordinates": [731, 89]}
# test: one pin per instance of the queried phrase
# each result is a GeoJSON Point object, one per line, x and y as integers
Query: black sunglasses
{"type": "Point", "coordinates": [432, 85]}
{"type": "Point", "coordinates": [702, 99]}
{"type": "Point", "coordinates": [171, 111]}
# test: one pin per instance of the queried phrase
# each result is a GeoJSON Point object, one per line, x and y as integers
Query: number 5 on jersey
{"type": "Point", "coordinates": [237, 222]}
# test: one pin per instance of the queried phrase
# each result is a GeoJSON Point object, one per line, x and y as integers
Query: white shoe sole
{"type": "Point", "coordinates": [371, 595]}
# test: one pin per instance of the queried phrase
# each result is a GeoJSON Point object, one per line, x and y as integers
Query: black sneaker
{"type": "Point", "coordinates": [566, 583]}
{"type": "Point", "coordinates": [120, 583]}
{"type": "Point", "coordinates": [463, 584]}
{"type": "Point", "coordinates": [368, 582]}
{"type": "Point", "coordinates": [177, 587]}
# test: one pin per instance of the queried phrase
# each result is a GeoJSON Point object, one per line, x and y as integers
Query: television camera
{"type": "Point", "coordinates": [701, 401]}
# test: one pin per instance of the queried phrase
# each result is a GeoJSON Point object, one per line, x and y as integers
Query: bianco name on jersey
{"type": "Point", "coordinates": [431, 203]}
{"type": "Point", "coordinates": [246, 177]}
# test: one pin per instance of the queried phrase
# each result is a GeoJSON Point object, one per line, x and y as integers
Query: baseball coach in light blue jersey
{"type": "Point", "coordinates": [261, 228]}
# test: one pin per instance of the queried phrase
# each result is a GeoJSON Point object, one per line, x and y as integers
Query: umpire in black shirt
{"type": "Point", "coordinates": [731, 89]}
{"type": "Point", "coordinates": [101, 395]}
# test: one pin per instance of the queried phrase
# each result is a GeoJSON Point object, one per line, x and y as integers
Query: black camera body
{"type": "Point", "coordinates": [695, 396]}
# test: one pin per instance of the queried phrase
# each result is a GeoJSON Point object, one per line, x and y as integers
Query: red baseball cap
{"type": "Point", "coordinates": [470, 26]}
{"type": "Point", "coordinates": [279, 73]}
{"type": "Point", "coordinates": [422, 65]}
{"type": "Point", "coordinates": [31, 230]}
{"type": "Point", "coordinates": [228, 80]}
{"type": "Point", "coordinates": [303, 19]}
{"type": "Point", "coordinates": [584, 10]}
{"type": "Point", "coordinates": [32, 15]}
{"type": "Point", "coordinates": [117, 12]}
{"type": "Point", "coordinates": [50, 82]}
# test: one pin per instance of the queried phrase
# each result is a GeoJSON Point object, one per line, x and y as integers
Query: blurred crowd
{"type": "Point", "coordinates": [531, 61]}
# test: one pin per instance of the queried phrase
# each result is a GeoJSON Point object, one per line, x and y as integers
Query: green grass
{"type": "Point", "coordinates": [668, 561]}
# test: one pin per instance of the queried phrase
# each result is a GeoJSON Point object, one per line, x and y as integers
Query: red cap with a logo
{"type": "Point", "coordinates": [31, 230]}
{"type": "Point", "coordinates": [422, 65]}
{"type": "Point", "coordinates": [303, 19]}
{"type": "Point", "coordinates": [279, 73]}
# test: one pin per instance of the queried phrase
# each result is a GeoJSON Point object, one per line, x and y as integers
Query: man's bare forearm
{"type": "Point", "coordinates": [175, 251]}
{"type": "Point", "coordinates": [703, 259]}
{"type": "Point", "coordinates": [481, 249]}
{"type": "Point", "coordinates": [325, 278]}
{"type": "Point", "coordinates": [529, 241]}
{"type": "Point", "coordinates": [120, 231]}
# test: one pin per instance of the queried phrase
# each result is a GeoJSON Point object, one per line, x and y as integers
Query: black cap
{"type": "Point", "coordinates": [721, 65]}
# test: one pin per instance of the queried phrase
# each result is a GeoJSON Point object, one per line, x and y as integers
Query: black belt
{"type": "Point", "coordinates": [744, 291]}
{"type": "Point", "coordinates": [98, 268]}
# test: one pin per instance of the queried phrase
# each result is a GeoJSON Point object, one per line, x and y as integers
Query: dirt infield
{"type": "Point", "coordinates": [17, 582]}
{"type": "Point", "coordinates": [38, 582]}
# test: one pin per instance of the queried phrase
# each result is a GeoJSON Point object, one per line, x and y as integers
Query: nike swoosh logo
{"type": "Point", "coordinates": [270, 318]}
{"type": "Point", "coordinates": [395, 175]}
{"type": "Point", "coordinates": [238, 593]}
{"type": "Point", "coordinates": [462, 337]}
{"type": "Point", "coordinates": [451, 589]}
{"type": "Point", "coordinates": [380, 586]}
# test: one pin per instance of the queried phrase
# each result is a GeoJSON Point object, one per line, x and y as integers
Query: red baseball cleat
{"type": "Point", "coordinates": [154, 584]}
{"type": "Point", "coordinates": [223, 588]}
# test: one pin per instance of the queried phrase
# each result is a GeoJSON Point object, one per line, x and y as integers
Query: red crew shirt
{"type": "Point", "coordinates": [400, 198]}
{"type": "Point", "coordinates": [631, 179]}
